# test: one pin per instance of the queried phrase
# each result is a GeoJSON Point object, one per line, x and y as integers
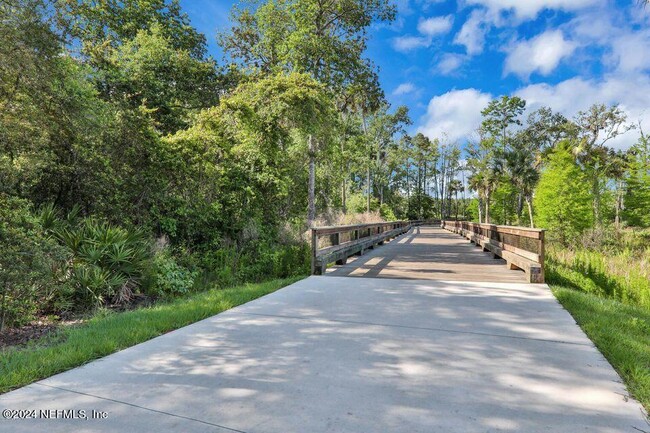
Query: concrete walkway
{"type": "Point", "coordinates": [364, 355]}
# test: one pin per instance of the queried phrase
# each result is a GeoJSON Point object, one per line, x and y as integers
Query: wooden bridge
{"type": "Point", "coordinates": [437, 250]}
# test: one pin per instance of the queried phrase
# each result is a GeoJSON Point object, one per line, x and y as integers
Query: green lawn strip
{"type": "Point", "coordinates": [106, 334]}
{"type": "Point", "coordinates": [621, 332]}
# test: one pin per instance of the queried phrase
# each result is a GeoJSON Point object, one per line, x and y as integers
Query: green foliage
{"type": "Point", "coordinates": [255, 261]}
{"type": "Point", "coordinates": [324, 39]}
{"type": "Point", "coordinates": [563, 200]}
{"type": "Point", "coordinates": [98, 24]}
{"type": "Point", "coordinates": [637, 195]}
{"type": "Point", "coordinates": [107, 262]}
{"type": "Point", "coordinates": [168, 278]}
{"type": "Point", "coordinates": [357, 203]}
{"type": "Point", "coordinates": [28, 263]}
{"type": "Point", "coordinates": [170, 82]}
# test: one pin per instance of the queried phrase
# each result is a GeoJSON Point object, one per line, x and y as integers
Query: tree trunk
{"type": "Point", "coordinates": [487, 208]}
{"type": "Point", "coordinates": [311, 207]}
{"type": "Point", "coordinates": [529, 203]}
{"type": "Point", "coordinates": [369, 192]}
{"type": "Point", "coordinates": [3, 307]}
{"type": "Point", "coordinates": [344, 167]}
{"type": "Point", "coordinates": [343, 196]}
{"type": "Point", "coordinates": [365, 133]}
{"type": "Point", "coordinates": [480, 209]}
{"type": "Point", "coordinates": [595, 190]}
{"type": "Point", "coordinates": [520, 206]}
{"type": "Point", "coordinates": [619, 204]}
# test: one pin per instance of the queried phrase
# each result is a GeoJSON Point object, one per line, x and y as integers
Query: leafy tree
{"type": "Point", "coordinates": [484, 173]}
{"type": "Point", "coordinates": [596, 126]}
{"type": "Point", "coordinates": [562, 199]}
{"type": "Point", "coordinates": [145, 54]}
{"type": "Point", "coordinates": [520, 163]}
{"type": "Point", "coordinates": [171, 83]}
{"type": "Point", "coordinates": [384, 133]}
{"type": "Point", "coordinates": [239, 160]}
{"type": "Point", "coordinates": [101, 25]}
{"type": "Point", "coordinates": [637, 192]}
{"type": "Point", "coordinates": [324, 39]}
{"type": "Point", "coordinates": [498, 117]}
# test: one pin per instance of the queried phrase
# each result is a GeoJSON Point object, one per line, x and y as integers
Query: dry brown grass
{"type": "Point", "coordinates": [337, 218]}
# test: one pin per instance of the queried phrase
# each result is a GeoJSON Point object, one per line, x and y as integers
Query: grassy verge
{"type": "Point", "coordinates": [105, 334]}
{"type": "Point", "coordinates": [621, 332]}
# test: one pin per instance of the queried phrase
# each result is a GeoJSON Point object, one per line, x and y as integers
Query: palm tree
{"type": "Point", "coordinates": [521, 166]}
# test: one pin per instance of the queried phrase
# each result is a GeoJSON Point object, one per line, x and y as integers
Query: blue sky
{"type": "Point", "coordinates": [445, 59]}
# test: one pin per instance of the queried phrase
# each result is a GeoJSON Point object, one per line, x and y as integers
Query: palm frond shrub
{"type": "Point", "coordinates": [107, 263]}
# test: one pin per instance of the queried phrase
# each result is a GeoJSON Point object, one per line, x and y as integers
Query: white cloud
{"type": "Point", "coordinates": [578, 94]}
{"type": "Point", "coordinates": [428, 28]}
{"type": "Point", "coordinates": [528, 9]}
{"type": "Point", "coordinates": [455, 114]}
{"type": "Point", "coordinates": [542, 53]}
{"type": "Point", "coordinates": [629, 52]}
{"type": "Point", "coordinates": [435, 25]}
{"type": "Point", "coordinates": [449, 63]}
{"type": "Point", "coordinates": [472, 34]}
{"type": "Point", "coordinates": [409, 43]}
{"type": "Point", "coordinates": [404, 89]}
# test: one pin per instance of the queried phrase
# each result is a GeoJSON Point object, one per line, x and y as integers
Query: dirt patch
{"type": "Point", "coordinates": [46, 326]}
{"type": "Point", "coordinates": [25, 334]}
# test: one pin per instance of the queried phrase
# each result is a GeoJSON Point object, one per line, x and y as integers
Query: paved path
{"type": "Point", "coordinates": [429, 253]}
{"type": "Point", "coordinates": [364, 355]}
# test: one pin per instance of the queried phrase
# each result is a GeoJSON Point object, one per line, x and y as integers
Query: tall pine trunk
{"type": "Point", "coordinates": [311, 207]}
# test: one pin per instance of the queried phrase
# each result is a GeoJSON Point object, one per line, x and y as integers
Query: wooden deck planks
{"type": "Point", "coordinates": [429, 253]}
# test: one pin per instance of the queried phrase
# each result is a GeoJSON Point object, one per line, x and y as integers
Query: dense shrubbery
{"type": "Point", "coordinates": [168, 278]}
{"type": "Point", "coordinates": [30, 263]}
{"type": "Point", "coordinates": [69, 264]}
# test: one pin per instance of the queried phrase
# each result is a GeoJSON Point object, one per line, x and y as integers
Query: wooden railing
{"type": "Point", "coordinates": [521, 247]}
{"type": "Point", "coordinates": [337, 243]}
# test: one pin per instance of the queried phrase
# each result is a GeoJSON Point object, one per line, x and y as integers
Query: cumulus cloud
{"type": "Point", "coordinates": [542, 54]}
{"type": "Point", "coordinates": [472, 34]}
{"type": "Point", "coordinates": [455, 114]}
{"type": "Point", "coordinates": [528, 9]}
{"type": "Point", "coordinates": [428, 28]}
{"type": "Point", "coordinates": [629, 52]}
{"type": "Point", "coordinates": [435, 25]}
{"type": "Point", "coordinates": [404, 89]}
{"type": "Point", "coordinates": [409, 43]}
{"type": "Point", "coordinates": [449, 63]}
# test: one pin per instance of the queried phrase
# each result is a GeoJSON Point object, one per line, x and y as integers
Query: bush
{"type": "Point", "coordinates": [28, 263]}
{"type": "Point", "coordinates": [168, 278]}
{"type": "Point", "coordinates": [107, 262]}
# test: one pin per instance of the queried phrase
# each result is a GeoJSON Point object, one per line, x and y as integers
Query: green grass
{"type": "Point", "coordinates": [107, 333]}
{"type": "Point", "coordinates": [620, 331]}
